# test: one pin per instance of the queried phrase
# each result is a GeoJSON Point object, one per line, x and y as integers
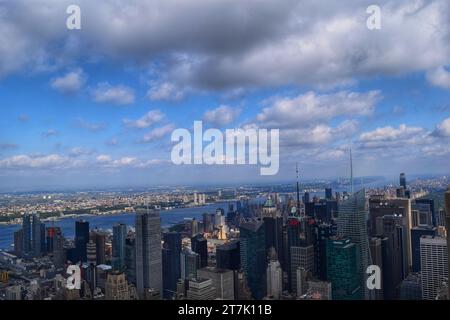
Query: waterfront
{"type": "Point", "coordinates": [105, 222]}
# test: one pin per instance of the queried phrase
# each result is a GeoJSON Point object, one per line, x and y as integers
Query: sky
{"type": "Point", "coordinates": [96, 107]}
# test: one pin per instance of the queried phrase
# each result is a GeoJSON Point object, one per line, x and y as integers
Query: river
{"type": "Point", "coordinates": [105, 222]}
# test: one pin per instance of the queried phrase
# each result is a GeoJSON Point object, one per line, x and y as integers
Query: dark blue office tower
{"type": "Point", "coordinates": [81, 239]}
{"type": "Point", "coordinates": [26, 227]}
{"type": "Point", "coordinates": [253, 257]}
{"type": "Point", "coordinates": [416, 234]}
{"type": "Point", "coordinates": [200, 246]}
{"type": "Point", "coordinates": [171, 263]}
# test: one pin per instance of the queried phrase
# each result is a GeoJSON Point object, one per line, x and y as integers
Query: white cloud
{"type": "Point", "coordinates": [390, 137]}
{"type": "Point", "coordinates": [165, 91]}
{"type": "Point", "coordinates": [311, 108]}
{"type": "Point", "coordinates": [149, 119]}
{"type": "Point", "coordinates": [221, 116]}
{"type": "Point", "coordinates": [70, 83]}
{"type": "Point", "coordinates": [287, 43]}
{"type": "Point", "coordinates": [120, 95]}
{"type": "Point", "coordinates": [104, 158]}
{"type": "Point", "coordinates": [443, 129]}
{"type": "Point", "coordinates": [439, 77]}
{"type": "Point", "coordinates": [158, 133]}
{"type": "Point", "coordinates": [39, 162]}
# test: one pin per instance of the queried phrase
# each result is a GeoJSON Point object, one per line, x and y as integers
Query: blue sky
{"type": "Point", "coordinates": [95, 107]}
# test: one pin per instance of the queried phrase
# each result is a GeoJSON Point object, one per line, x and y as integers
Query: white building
{"type": "Point", "coordinates": [433, 260]}
{"type": "Point", "coordinates": [274, 276]}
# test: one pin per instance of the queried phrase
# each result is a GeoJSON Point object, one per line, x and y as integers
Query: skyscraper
{"type": "Point", "coordinates": [274, 276]}
{"type": "Point", "coordinates": [81, 239]}
{"type": "Point", "coordinates": [328, 193]}
{"type": "Point", "coordinates": [36, 236]}
{"type": "Point", "coordinates": [343, 266]}
{"type": "Point", "coordinates": [171, 263]}
{"type": "Point", "coordinates": [200, 246]}
{"type": "Point", "coordinates": [18, 242]}
{"type": "Point", "coordinates": [228, 256]}
{"type": "Point", "coordinates": [148, 251]}
{"type": "Point", "coordinates": [447, 223]}
{"type": "Point", "coordinates": [253, 256]}
{"type": "Point", "coordinates": [416, 234]}
{"type": "Point", "coordinates": [99, 238]}
{"type": "Point", "coordinates": [434, 263]}
{"type": "Point", "coordinates": [116, 286]}
{"type": "Point", "coordinates": [274, 236]}
{"type": "Point", "coordinates": [118, 246]}
{"type": "Point", "coordinates": [352, 223]}
{"type": "Point", "coordinates": [59, 257]}
{"type": "Point", "coordinates": [26, 227]}
{"type": "Point", "coordinates": [201, 289]}
{"type": "Point", "coordinates": [301, 257]}
{"type": "Point", "coordinates": [190, 263]}
{"type": "Point", "coordinates": [222, 281]}
{"type": "Point", "coordinates": [403, 180]}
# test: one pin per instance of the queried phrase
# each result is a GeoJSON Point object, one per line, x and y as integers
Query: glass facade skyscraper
{"type": "Point", "coordinates": [148, 252]}
{"type": "Point", "coordinates": [343, 265]}
{"type": "Point", "coordinates": [253, 256]}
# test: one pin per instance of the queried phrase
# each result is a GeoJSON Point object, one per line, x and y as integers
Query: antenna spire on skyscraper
{"type": "Point", "coordinates": [298, 191]}
{"type": "Point", "coordinates": [351, 171]}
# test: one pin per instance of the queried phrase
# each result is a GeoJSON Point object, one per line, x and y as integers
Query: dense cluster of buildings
{"type": "Point", "coordinates": [288, 247]}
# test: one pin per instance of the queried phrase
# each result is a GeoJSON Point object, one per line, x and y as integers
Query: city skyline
{"type": "Point", "coordinates": [95, 107]}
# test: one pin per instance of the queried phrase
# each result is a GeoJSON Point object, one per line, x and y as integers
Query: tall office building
{"type": "Point", "coordinates": [59, 256]}
{"type": "Point", "coordinates": [51, 233]}
{"type": "Point", "coordinates": [432, 210]}
{"type": "Point", "coordinates": [403, 180]}
{"type": "Point", "coordinates": [190, 263]}
{"type": "Point", "coordinates": [91, 253]}
{"type": "Point", "coordinates": [148, 252]}
{"type": "Point", "coordinates": [301, 257]}
{"type": "Point", "coordinates": [352, 223]}
{"type": "Point", "coordinates": [274, 276]}
{"type": "Point", "coordinates": [130, 259]}
{"type": "Point", "coordinates": [99, 238]}
{"type": "Point", "coordinates": [200, 246]}
{"type": "Point", "coordinates": [376, 252]}
{"type": "Point", "coordinates": [395, 267]}
{"type": "Point", "coordinates": [411, 288]}
{"type": "Point", "coordinates": [253, 256]}
{"type": "Point", "coordinates": [171, 263]}
{"type": "Point", "coordinates": [18, 242]}
{"type": "Point", "coordinates": [416, 234]}
{"type": "Point", "coordinates": [201, 289]}
{"type": "Point", "coordinates": [81, 240]}
{"type": "Point", "coordinates": [434, 264]}
{"type": "Point", "coordinates": [222, 281]}
{"type": "Point", "coordinates": [379, 207]}
{"type": "Point", "coordinates": [447, 223]}
{"type": "Point", "coordinates": [118, 246]}
{"type": "Point", "coordinates": [274, 236]}
{"type": "Point", "coordinates": [116, 286]}
{"type": "Point", "coordinates": [26, 227]}
{"type": "Point", "coordinates": [228, 256]}
{"type": "Point", "coordinates": [328, 194]}
{"type": "Point", "coordinates": [343, 269]}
